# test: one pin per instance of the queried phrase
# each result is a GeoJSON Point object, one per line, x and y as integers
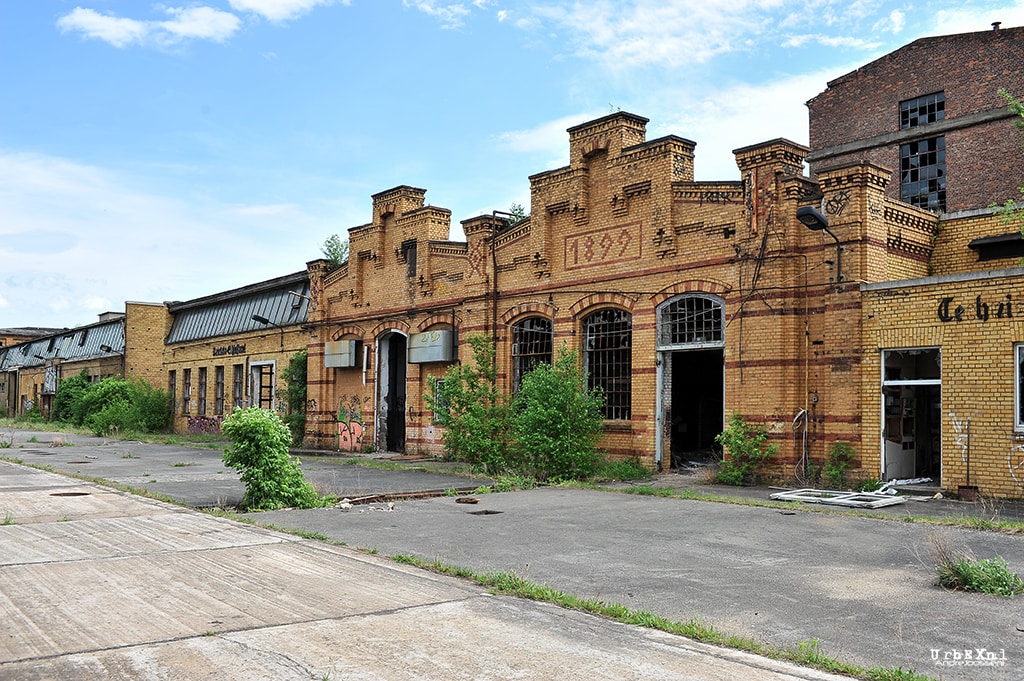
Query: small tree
{"type": "Point", "coordinates": [472, 411]}
{"type": "Point", "coordinates": [746, 449]}
{"type": "Point", "coordinates": [295, 395]}
{"type": "Point", "coordinates": [335, 250]}
{"type": "Point", "coordinates": [557, 421]}
{"type": "Point", "coordinates": [259, 449]}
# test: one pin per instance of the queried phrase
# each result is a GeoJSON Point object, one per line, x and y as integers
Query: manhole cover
{"type": "Point", "coordinates": [486, 511]}
{"type": "Point", "coordinates": [69, 494]}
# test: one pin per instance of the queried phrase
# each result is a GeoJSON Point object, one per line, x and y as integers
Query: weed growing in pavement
{"type": "Point", "coordinates": [620, 469]}
{"type": "Point", "coordinates": [8, 519]}
{"type": "Point", "coordinates": [7, 441]}
{"type": "Point", "coordinates": [182, 464]}
{"type": "Point", "coordinates": [128, 455]}
{"type": "Point", "coordinates": [33, 438]}
{"type": "Point", "coordinates": [482, 489]}
{"type": "Point", "coordinates": [960, 570]}
{"type": "Point", "coordinates": [451, 492]}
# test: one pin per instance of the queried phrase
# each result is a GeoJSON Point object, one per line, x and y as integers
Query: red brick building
{"type": "Point", "coordinates": [931, 112]}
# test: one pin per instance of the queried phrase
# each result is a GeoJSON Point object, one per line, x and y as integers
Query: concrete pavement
{"type": "Point", "coordinates": [98, 583]}
{"type": "Point", "coordinates": [864, 587]}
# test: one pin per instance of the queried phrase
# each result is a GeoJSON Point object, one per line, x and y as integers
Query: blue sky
{"type": "Point", "coordinates": [166, 151]}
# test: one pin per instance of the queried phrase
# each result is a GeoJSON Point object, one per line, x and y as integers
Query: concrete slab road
{"type": "Point", "coordinates": [96, 583]}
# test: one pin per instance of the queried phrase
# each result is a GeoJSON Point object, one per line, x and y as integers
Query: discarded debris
{"type": "Point", "coordinates": [840, 498]}
{"type": "Point", "coordinates": [466, 500]}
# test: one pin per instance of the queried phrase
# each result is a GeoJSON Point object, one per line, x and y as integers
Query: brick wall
{"type": "Point", "coordinates": [969, 68]}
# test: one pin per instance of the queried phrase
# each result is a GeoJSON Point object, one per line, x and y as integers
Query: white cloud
{"type": "Point", "coordinates": [967, 18]}
{"type": "Point", "coordinates": [279, 10]}
{"type": "Point", "coordinates": [186, 23]}
{"type": "Point", "coordinates": [88, 236]}
{"type": "Point", "coordinates": [200, 22]}
{"type": "Point", "coordinates": [450, 16]}
{"type": "Point", "coordinates": [114, 30]}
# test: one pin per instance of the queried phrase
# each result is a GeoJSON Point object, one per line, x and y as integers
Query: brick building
{"type": "Point", "coordinates": [822, 307]}
{"type": "Point", "coordinates": [931, 112]}
{"type": "Point", "coordinates": [119, 344]}
{"type": "Point", "coordinates": [228, 350]}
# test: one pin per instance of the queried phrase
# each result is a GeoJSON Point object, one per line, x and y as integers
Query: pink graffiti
{"type": "Point", "coordinates": [350, 435]}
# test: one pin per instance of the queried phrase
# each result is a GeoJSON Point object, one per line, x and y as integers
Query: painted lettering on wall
{"type": "Point", "coordinates": [980, 310]}
{"type": "Point", "coordinates": [236, 349]}
{"type": "Point", "coordinates": [603, 246]}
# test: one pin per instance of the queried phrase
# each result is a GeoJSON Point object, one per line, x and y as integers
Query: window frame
{"type": "Point", "coordinates": [615, 382]}
{"type": "Point", "coordinates": [524, 362]}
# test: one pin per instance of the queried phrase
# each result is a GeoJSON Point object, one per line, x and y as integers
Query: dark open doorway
{"type": "Point", "coordinates": [697, 404]}
{"type": "Point", "coordinates": [393, 395]}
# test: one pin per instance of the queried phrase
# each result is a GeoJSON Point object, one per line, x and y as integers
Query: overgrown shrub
{"type": "Point", "coordinates": [117, 406]}
{"type": "Point", "coordinates": [474, 413]}
{"type": "Point", "coordinates": [259, 450]}
{"type": "Point", "coordinates": [557, 422]}
{"type": "Point", "coordinates": [746, 449]}
{"type": "Point", "coordinates": [69, 394]}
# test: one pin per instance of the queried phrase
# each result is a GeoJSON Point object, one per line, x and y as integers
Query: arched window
{"type": "Point", "coordinates": [608, 359]}
{"type": "Point", "coordinates": [690, 321]}
{"type": "Point", "coordinates": [531, 345]}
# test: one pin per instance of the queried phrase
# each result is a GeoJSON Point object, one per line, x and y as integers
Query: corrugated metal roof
{"type": "Point", "coordinates": [85, 342]}
{"type": "Point", "coordinates": [232, 312]}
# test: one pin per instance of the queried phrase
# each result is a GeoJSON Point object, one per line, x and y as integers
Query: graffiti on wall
{"type": "Point", "coordinates": [1015, 462]}
{"type": "Point", "coordinates": [351, 424]}
{"type": "Point", "coordinates": [961, 436]}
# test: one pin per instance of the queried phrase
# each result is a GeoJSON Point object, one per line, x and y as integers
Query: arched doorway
{"type": "Point", "coordinates": [391, 391]}
{"type": "Point", "coordinates": [690, 378]}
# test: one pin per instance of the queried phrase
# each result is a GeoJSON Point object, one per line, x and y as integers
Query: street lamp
{"type": "Point", "coordinates": [260, 319]}
{"type": "Point", "coordinates": [813, 220]}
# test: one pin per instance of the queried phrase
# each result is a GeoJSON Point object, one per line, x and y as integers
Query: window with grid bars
{"type": "Point", "coordinates": [531, 345]}
{"type": "Point", "coordinates": [201, 407]}
{"type": "Point", "coordinates": [239, 385]}
{"type": "Point", "coordinates": [608, 359]}
{"type": "Point", "coordinates": [923, 173]}
{"type": "Point", "coordinates": [921, 110]}
{"type": "Point", "coordinates": [186, 392]}
{"type": "Point", "coordinates": [694, 321]}
{"type": "Point", "coordinates": [218, 391]}
{"type": "Point", "coordinates": [172, 387]}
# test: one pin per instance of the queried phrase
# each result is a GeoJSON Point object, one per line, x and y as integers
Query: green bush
{"type": "Point", "coordinates": [259, 450]}
{"type": "Point", "coordinates": [836, 465]}
{"type": "Point", "coordinates": [557, 422]}
{"type": "Point", "coordinates": [746, 448]}
{"type": "Point", "coordinates": [69, 394]}
{"type": "Point", "coordinates": [988, 575]}
{"type": "Point", "coordinates": [474, 413]}
{"type": "Point", "coordinates": [115, 406]}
